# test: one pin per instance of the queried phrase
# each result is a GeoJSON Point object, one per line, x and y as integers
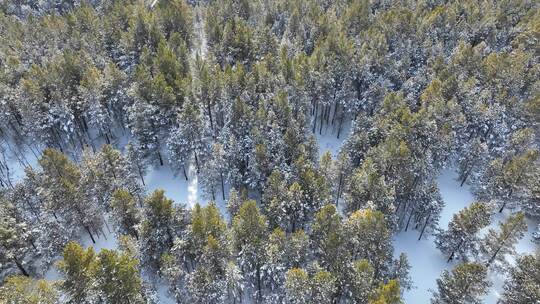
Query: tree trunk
{"type": "Point", "coordinates": [21, 268]}
{"type": "Point", "coordinates": [339, 188]}
{"type": "Point", "coordinates": [340, 125]}
{"type": "Point", "coordinates": [196, 161]}
{"type": "Point", "coordinates": [451, 257]}
{"type": "Point", "coordinates": [424, 227]}
{"type": "Point", "coordinates": [90, 233]}
{"type": "Point", "coordinates": [409, 220]}
{"type": "Point", "coordinates": [322, 121]}
{"type": "Point", "coordinates": [184, 170]}
{"type": "Point", "coordinates": [315, 118]}
{"type": "Point", "coordinates": [140, 174]}
{"type": "Point", "coordinates": [222, 186]}
{"type": "Point", "coordinates": [160, 158]}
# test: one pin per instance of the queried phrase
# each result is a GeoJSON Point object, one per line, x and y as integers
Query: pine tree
{"type": "Point", "coordinates": [461, 236]}
{"type": "Point", "coordinates": [204, 288]}
{"type": "Point", "coordinates": [189, 138]}
{"type": "Point", "coordinates": [126, 213]}
{"type": "Point", "coordinates": [117, 278]}
{"type": "Point", "coordinates": [233, 282]}
{"type": "Point", "coordinates": [156, 234]}
{"type": "Point", "coordinates": [369, 238]}
{"type": "Point", "coordinates": [362, 281]}
{"type": "Point", "coordinates": [401, 272]}
{"type": "Point", "coordinates": [427, 210]}
{"type": "Point", "coordinates": [213, 172]}
{"type": "Point", "coordinates": [233, 203]}
{"type": "Point", "coordinates": [506, 180]}
{"type": "Point", "coordinates": [249, 230]}
{"type": "Point", "coordinates": [523, 283]}
{"type": "Point", "coordinates": [17, 239]}
{"type": "Point", "coordinates": [24, 290]}
{"type": "Point", "coordinates": [78, 267]}
{"type": "Point", "coordinates": [323, 287]}
{"type": "Point", "coordinates": [387, 294]}
{"type": "Point", "coordinates": [297, 286]}
{"type": "Point", "coordinates": [329, 239]}
{"type": "Point", "coordinates": [367, 186]}
{"type": "Point", "coordinates": [135, 160]}
{"type": "Point", "coordinates": [467, 283]}
{"type": "Point", "coordinates": [497, 244]}
{"type": "Point", "coordinates": [63, 195]}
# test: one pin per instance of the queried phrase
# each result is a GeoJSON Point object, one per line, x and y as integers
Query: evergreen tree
{"type": "Point", "coordinates": [157, 233]}
{"type": "Point", "coordinates": [135, 161]}
{"type": "Point", "coordinates": [460, 239]}
{"type": "Point", "coordinates": [117, 278]}
{"type": "Point", "coordinates": [297, 286]}
{"type": "Point", "coordinates": [24, 290]}
{"type": "Point", "coordinates": [370, 239]}
{"type": "Point", "coordinates": [523, 283]}
{"type": "Point", "coordinates": [78, 267]}
{"type": "Point", "coordinates": [387, 294]}
{"type": "Point", "coordinates": [366, 187]}
{"type": "Point", "coordinates": [17, 239]}
{"type": "Point", "coordinates": [329, 239]}
{"type": "Point", "coordinates": [213, 172]}
{"type": "Point", "coordinates": [189, 138]}
{"type": "Point", "coordinates": [497, 244]}
{"type": "Point", "coordinates": [362, 282]}
{"type": "Point", "coordinates": [126, 213]}
{"type": "Point", "coordinates": [249, 230]}
{"type": "Point", "coordinates": [61, 191]}
{"type": "Point", "coordinates": [467, 283]}
{"type": "Point", "coordinates": [323, 287]}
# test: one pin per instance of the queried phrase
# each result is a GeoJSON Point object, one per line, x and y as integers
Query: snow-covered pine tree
{"type": "Point", "coordinates": [78, 266]}
{"type": "Point", "coordinates": [61, 191]}
{"type": "Point", "coordinates": [118, 278]}
{"type": "Point", "coordinates": [467, 283]}
{"type": "Point", "coordinates": [21, 289]}
{"type": "Point", "coordinates": [523, 281]}
{"type": "Point", "coordinates": [297, 286]}
{"type": "Point", "coordinates": [17, 240]}
{"type": "Point", "coordinates": [157, 231]}
{"type": "Point", "coordinates": [137, 164]}
{"type": "Point", "coordinates": [497, 244]}
{"type": "Point", "coordinates": [249, 231]}
{"type": "Point", "coordinates": [214, 169]}
{"type": "Point", "coordinates": [126, 214]}
{"type": "Point", "coordinates": [460, 239]}
{"type": "Point", "coordinates": [369, 238]}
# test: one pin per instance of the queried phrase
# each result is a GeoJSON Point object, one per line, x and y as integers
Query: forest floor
{"type": "Point", "coordinates": [426, 260]}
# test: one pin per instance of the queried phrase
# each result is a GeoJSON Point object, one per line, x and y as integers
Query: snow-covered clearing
{"type": "Point", "coordinates": [428, 262]}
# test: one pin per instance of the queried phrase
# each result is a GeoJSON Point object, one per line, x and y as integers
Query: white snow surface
{"type": "Point", "coordinates": [176, 186]}
{"type": "Point", "coordinates": [427, 262]}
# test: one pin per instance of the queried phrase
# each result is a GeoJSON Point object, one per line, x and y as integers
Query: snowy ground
{"type": "Point", "coordinates": [428, 262]}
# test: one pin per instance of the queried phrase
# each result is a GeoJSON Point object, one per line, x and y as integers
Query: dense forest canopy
{"type": "Point", "coordinates": [101, 92]}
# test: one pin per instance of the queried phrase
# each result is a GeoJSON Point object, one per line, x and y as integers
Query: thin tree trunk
{"type": "Point", "coordinates": [21, 268]}
{"type": "Point", "coordinates": [90, 233]}
{"type": "Point", "coordinates": [315, 118]}
{"type": "Point", "coordinates": [184, 170]}
{"type": "Point", "coordinates": [140, 174]}
{"type": "Point", "coordinates": [160, 158]}
{"type": "Point", "coordinates": [424, 227]}
{"type": "Point", "coordinates": [222, 186]}
{"type": "Point", "coordinates": [339, 188]}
